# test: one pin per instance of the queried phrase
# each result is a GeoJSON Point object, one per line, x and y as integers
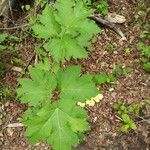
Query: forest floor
{"type": "Point", "coordinates": [106, 51]}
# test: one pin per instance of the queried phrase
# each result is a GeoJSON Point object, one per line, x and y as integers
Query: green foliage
{"type": "Point", "coordinates": [146, 66]}
{"type": "Point", "coordinates": [128, 123]}
{"type": "Point", "coordinates": [146, 31]}
{"type": "Point", "coordinates": [40, 3]}
{"type": "Point", "coordinates": [43, 82]}
{"type": "Point", "coordinates": [125, 112]}
{"type": "Point", "coordinates": [103, 78]}
{"type": "Point", "coordinates": [72, 85]}
{"type": "Point", "coordinates": [52, 92]}
{"type": "Point", "coordinates": [145, 49]}
{"type": "Point", "coordinates": [2, 67]}
{"type": "Point", "coordinates": [102, 7]}
{"type": "Point", "coordinates": [18, 61]}
{"type": "Point", "coordinates": [59, 122]}
{"type": "Point", "coordinates": [7, 43]}
{"type": "Point", "coordinates": [4, 37]}
{"type": "Point", "coordinates": [119, 70]}
{"type": "Point", "coordinates": [145, 58]}
{"type": "Point", "coordinates": [40, 52]}
{"type": "Point", "coordinates": [127, 51]}
{"type": "Point", "coordinates": [66, 28]}
{"type": "Point", "coordinates": [110, 47]}
{"type": "Point", "coordinates": [41, 86]}
{"type": "Point", "coordinates": [135, 108]}
{"type": "Point", "coordinates": [6, 93]}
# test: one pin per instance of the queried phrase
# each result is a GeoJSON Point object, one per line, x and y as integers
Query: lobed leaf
{"type": "Point", "coordinates": [38, 89]}
{"type": "Point", "coordinates": [65, 48]}
{"type": "Point", "coordinates": [47, 26]}
{"type": "Point", "coordinates": [58, 125]}
{"type": "Point", "coordinates": [72, 85]}
{"type": "Point", "coordinates": [69, 28]}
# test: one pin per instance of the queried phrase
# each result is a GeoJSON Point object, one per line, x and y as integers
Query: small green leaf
{"type": "Point", "coordinates": [120, 108]}
{"type": "Point", "coordinates": [134, 108]}
{"type": "Point", "coordinates": [117, 70]}
{"type": "Point", "coordinates": [3, 37]}
{"type": "Point", "coordinates": [2, 47]}
{"type": "Point", "coordinates": [133, 126]}
{"type": "Point", "coordinates": [126, 119]}
{"type": "Point", "coordinates": [102, 7]}
{"type": "Point", "coordinates": [147, 66]}
{"type": "Point", "coordinates": [111, 78]}
{"type": "Point", "coordinates": [125, 128]}
{"type": "Point", "coordinates": [127, 70]}
{"type": "Point", "coordinates": [100, 78]}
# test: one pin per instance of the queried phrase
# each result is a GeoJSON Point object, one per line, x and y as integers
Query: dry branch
{"type": "Point", "coordinates": [109, 24]}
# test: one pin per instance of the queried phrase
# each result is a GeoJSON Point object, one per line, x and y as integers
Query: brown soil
{"type": "Point", "coordinates": [105, 126]}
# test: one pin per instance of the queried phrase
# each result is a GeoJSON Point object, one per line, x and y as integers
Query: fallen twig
{"type": "Point", "coordinates": [118, 117]}
{"type": "Point", "coordinates": [16, 27]}
{"type": "Point", "coordinates": [111, 25]}
{"type": "Point", "coordinates": [143, 119]}
{"type": "Point", "coordinates": [14, 125]}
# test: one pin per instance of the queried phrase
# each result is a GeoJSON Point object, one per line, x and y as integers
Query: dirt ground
{"type": "Point", "coordinates": [132, 88]}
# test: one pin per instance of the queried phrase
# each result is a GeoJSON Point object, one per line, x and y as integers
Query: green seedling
{"type": "Point", "coordinates": [127, 51]}
{"type": "Point", "coordinates": [103, 78]}
{"type": "Point", "coordinates": [124, 113]}
{"type": "Point", "coordinates": [110, 47]}
{"type": "Point", "coordinates": [18, 61]}
{"type": "Point", "coordinates": [7, 44]}
{"type": "Point", "coordinates": [128, 123]}
{"type": "Point", "coordinates": [9, 39]}
{"type": "Point", "coordinates": [6, 93]}
{"type": "Point", "coordinates": [2, 67]}
{"type": "Point", "coordinates": [102, 7]}
{"type": "Point", "coordinates": [145, 57]}
{"type": "Point", "coordinates": [146, 32]}
{"type": "Point", "coordinates": [119, 70]}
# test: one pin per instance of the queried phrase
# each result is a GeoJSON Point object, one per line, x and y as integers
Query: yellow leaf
{"type": "Point", "coordinates": [81, 104]}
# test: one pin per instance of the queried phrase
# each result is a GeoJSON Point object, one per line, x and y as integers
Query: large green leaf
{"type": "Point", "coordinates": [38, 89]}
{"type": "Point", "coordinates": [58, 123]}
{"type": "Point", "coordinates": [73, 85]}
{"type": "Point", "coordinates": [68, 27]}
